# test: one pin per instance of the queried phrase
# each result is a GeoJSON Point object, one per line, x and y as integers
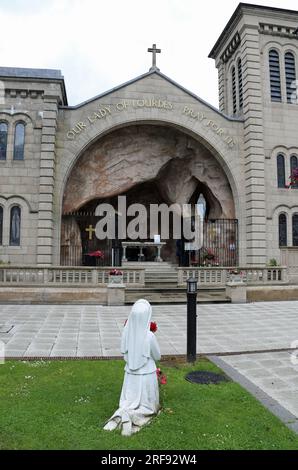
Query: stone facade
{"type": "Point", "coordinates": [152, 128]}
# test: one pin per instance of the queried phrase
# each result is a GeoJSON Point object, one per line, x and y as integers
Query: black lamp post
{"type": "Point", "coordinates": [191, 320]}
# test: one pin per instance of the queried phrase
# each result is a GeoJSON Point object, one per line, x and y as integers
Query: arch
{"type": "Point", "coordinates": [19, 140]}
{"type": "Point", "coordinates": [290, 71]}
{"type": "Point", "coordinates": [15, 226]}
{"type": "Point", "coordinates": [275, 81]}
{"type": "Point", "coordinates": [3, 139]}
{"type": "Point", "coordinates": [282, 229]}
{"type": "Point", "coordinates": [224, 153]}
{"type": "Point", "coordinates": [215, 148]}
{"type": "Point", "coordinates": [281, 174]}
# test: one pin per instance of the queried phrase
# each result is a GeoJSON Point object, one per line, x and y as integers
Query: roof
{"type": "Point", "coordinates": [30, 73]}
{"type": "Point", "coordinates": [238, 14]}
{"type": "Point", "coordinates": [147, 74]}
{"type": "Point", "coordinates": [37, 74]}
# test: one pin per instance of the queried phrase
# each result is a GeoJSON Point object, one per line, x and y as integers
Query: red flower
{"type": "Point", "coordinates": [96, 254]}
{"type": "Point", "coordinates": [115, 272]}
{"type": "Point", "coordinates": [153, 326]}
{"type": "Point", "coordinates": [162, 378]}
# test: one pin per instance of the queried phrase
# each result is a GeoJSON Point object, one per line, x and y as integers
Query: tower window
{"type": "Point", "coordinates": [234, 90]}
{"type": "Point", "coordinates": [290, 68]}
{"type": "Point", "coordinates": [3, 140]}
{"type": "Point", "coordinates": [282, 229]}
{"type": "Point", "coordinates": [240, 84]}
{"type": "Point", "coordinates": [19, 141]}
{"type": "Point", "coordinates": [274, 67]}
{"type": "Point", "coordinates": [281, 174]}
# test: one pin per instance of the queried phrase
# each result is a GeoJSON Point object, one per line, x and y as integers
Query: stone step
{"type": "Point", "coordinates": [173, 296]}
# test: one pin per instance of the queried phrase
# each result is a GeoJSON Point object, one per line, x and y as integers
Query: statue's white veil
{"type": "Point", "coordinates": [135, 343]}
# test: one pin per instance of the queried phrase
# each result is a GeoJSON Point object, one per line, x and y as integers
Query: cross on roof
{"type": "Point", "coordinates": [154, 52]}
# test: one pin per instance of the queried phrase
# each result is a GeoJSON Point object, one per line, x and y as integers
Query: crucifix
{"type": "Point", "coordinates": [154, 52]}
{"type": "Point", "coordinates": [90, 229]}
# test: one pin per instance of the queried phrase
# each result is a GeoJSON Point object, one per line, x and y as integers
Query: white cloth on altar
{"type": "Point", "coordinates": [139, 400]}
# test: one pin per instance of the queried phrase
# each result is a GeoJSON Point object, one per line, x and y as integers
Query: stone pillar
{"type": "Point", "coordinates": [116, 294]}
{"type": "Point", "coordinates": [236, 291]}
{"type": "Point", "coordinates": [221, 87]}
{"type": "Point", "coordinates": [253, 147]}
{"type": "Point", "coordinates": [46, 185]}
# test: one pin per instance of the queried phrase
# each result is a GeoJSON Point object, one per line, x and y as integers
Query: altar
{"type": "Point", "coordinates": [141, 246]}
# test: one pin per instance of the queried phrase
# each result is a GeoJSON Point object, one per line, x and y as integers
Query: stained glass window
{"type": "Point", "coordinates": [1, 225]}
{"type": "Point", "coordinates": [281, 175]}
{"type": "Point", "coordinates": [282, 223]}
{"type": "Point", "coordinates": [19, 141]}
{"type": "Point", "coordinates": [15, 226]}
{"type": "Point", "coordinates": [3, 140]}
{"type": "Point", "coordinates": [294, 165]}
{"type": "Point", "coordinates": [295, 229]}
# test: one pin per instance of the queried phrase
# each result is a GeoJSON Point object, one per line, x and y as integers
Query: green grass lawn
{"type": "Point", "coordinates": [64, 405]}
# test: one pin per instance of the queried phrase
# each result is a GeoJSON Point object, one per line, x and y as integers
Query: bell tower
{"type": "Point", "coordinates": [256, 56]}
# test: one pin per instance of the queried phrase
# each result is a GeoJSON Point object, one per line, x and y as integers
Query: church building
{"type": "Point", "coordinates": [155, 142]}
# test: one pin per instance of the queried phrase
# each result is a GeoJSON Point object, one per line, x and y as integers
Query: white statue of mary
{"type": "Point", "coordinates": [139, 400]}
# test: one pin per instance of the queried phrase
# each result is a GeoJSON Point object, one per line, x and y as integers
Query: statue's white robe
{"type": "Point", "coordinates": [139, 400]}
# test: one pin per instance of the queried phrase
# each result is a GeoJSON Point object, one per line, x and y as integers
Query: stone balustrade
{"type": "Point", "coordinates": [66, 276]}
{"type": "Point", "coordinates": [219, 276]}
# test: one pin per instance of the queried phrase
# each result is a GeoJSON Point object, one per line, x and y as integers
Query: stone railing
{"type": "Point", "coordinates": [218, 277]}
{"type": "Point", "coordinates": [66, 276]}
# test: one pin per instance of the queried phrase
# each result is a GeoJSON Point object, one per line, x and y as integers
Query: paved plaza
{"type": "Point", "coordinates": [78, 330]}
{"type": "Point", "coordinates": [241, 330]}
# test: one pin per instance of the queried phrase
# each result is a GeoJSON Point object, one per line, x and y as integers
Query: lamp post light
{"type": "Point", "coordinates": [191, 320]}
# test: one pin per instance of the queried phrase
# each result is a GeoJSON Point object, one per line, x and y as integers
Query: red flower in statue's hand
{"type": "Point", "coordinates": [153, 326]}
{"type": "Point", "coordinates": [162, 378]}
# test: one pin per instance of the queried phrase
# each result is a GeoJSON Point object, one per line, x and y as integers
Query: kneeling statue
{"type": "Point", "coordinates": [139, 400]}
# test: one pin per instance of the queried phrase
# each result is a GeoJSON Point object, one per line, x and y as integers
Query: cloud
{"type": "Point", "coordinates": [99, 44]}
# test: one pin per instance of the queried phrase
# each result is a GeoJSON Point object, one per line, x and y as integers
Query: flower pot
{"type": "Point", "coordinates": [115, 279]}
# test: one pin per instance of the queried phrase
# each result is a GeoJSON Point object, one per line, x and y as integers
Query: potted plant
{"type": "Point", "coordinates": [115, 276]}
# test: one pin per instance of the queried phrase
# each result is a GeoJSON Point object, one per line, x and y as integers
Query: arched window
{"type": "Point", "coordinates": [234, 90]}
{"type": "Point", "coordinates": [281, 175]}
{"type": "Point", "coordinates": [295, 229]}
{"type": "Point", "coordinates": [290, 68]}
{"type": "Point", "coordinates": [19, 141]}
{"type": "Point", "coordinates": [294, 165]}
{"type": "Point", "coordinates": [15, 226]}
{"type": "Point", "coordinates": [3, 140]}
{"type": "Point", "coordinates": [274, 67]}
{"type": "Point", "coordinates": [240, 84]}
{"type": "Point", "coordinates": [1, 225]}
{"type": "Point", "coordinates": [282, 230]}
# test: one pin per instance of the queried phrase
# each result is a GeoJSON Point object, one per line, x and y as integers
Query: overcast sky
{"type": "Point", "coordinates": [99, 44]}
